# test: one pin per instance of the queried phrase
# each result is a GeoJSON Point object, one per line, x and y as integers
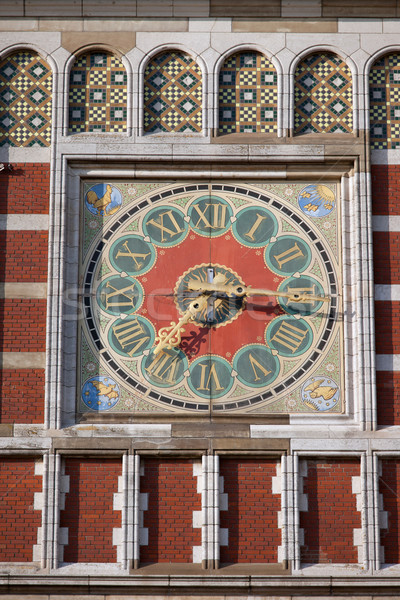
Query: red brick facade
{"type": "Point", "coordinates": [24, 259]}
{"type": "Point", "coordinates": [385, 180]}
{"type": "Point", "coordinates": [19, 521]}
{"type": "Point", "coordinates": [387, 317]}
{"type": "Point", "coordinates": [332, 512]}
{"type": "Point", "coordinates": [25, 189]}
{"type": "Point", "coordinates": [389, 487]}
{"type": "Point", "coordinates": [23, 325]}
{"type": "Point", "coordinates": [172, 498]}
{"type": "Point", "coordinates": [89, 515]}
{"type": "Point", "coordinates": [388, 395]}
{"type": "Point", "coordinates": [252, 515]}
{"type": "Point", "coordinates": [23, 256]}
{"type": "Point", "coordinates": [22, 392]}
{"type": "Point", "coordinates": [386, 201]}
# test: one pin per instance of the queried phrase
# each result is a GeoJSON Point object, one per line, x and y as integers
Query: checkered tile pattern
{"type": "Point", "coordinates": [384, 90]}
{"type": "Point", "coordinates": [323, 95]}
{"type": "Point", "coordinates": [172, 93]}
{"type": "Point", "coordinates": [247, 94]}
{"type": "Point", "coordinates": [97, 94]}
{"type": "Point", "coordinates": [25, 100]}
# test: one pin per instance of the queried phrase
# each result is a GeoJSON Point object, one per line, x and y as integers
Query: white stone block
{"type": "Point", "coordinates": [116, 536]}
{"type": "Point", "coordinates": [383, 519]}
{"type": "Point", "coordinates": [210, 25]}
{"type": "Point", "coordinates": [63, 536]}
{"type": "Point", "coordinates": [197, 469]}
{"type": "Point", "coordinates": [388, 362]}
{"type": "Point", "coordinates": [144, 501]}
{"type": "Point", "coordinates": [143, 536]}
{"type": "Point", "coordinates": [197, 554]}
{"type": "Point", "coordinates": [39, 467]}
{"type": "Point", "coordinates": [386, 223]}
{"type": "Point", "coordinates": [64, 484]}
{"type": "Point", "coordinates": [301, 536]}
{"type": "Point", "coordinates": [223, 502]}
{"type": "Point", "coordinates": [359, 25]}
{"type": "Point", "coordinates": [303, 502]}
{"type": "Point", "coordinates": [37, 553]}
{"type": "Point", "coordinates": [117, 501]}
{"type": "Point", "coordinates": [197, 518]}
{"type": "Point", "coordinates": [223, 536]}
{"type": "Point", "coordinates": [38, 501]}
{"type": "Point", "coordinates": [276, 485]}
{"type": "Point", "coordinates": [356, 485]}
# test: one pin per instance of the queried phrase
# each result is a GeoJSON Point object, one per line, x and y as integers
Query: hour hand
{"type": "Point", "coordinates": [241, 290]}
{"type": "Point", "coordinates": [170, 337]}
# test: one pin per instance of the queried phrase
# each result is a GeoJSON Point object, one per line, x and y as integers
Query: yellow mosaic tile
{"type": "Point", "coordinates": [97, 94]}
{"type": "Point", "coordinates": [247, 94]}
{"type": "Point", "coordinates": [172, 94]}
{"type": "Point", "coordinates": [323, 95]}
{"type": "Point", "coordinates": [25, 100]}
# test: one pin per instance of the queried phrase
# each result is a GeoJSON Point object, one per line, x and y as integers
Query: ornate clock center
{"type": "Point", "coordinates": [220, 309]}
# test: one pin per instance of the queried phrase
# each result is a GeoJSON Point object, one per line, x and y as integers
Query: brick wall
{"type": "Point", "coordinates": [252, 515]}
{"type": "Point", "coordinates": [25, 189]}
{"type": "Point", "coordinates": [23, 325]}
{"type": "Point", "coordinates": [21, 395]}
{"type": "Point", "coordinates": [89, 514]}
{"type": "Point", "coordinates": [386, 202]}
{"type": "Point", "coordinates": [172, 498]}
{"type": "Point", "coordinates": [23, 259]}
{"type": "Point", "coordinates": [23, 256]}
{"type": "Point", "coordinates": [389, 487]}
{"type": "Point", "coordinates": [385, 182]}
{"type": "Point", "coordinates": [19, 521]}
{"type": "Point", "coordinates": [332, 515]}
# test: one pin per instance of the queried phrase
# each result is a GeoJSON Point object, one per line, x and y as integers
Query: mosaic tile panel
{"type": "Point", "coordinates": [172, 94]}
{"type": "Point", "coordinates": [384, 90]}
{"type": "Point", "coordinates": [97, 94]}
{"type": "Point", "coordinates": [323, 95]}
{"type": "Point", "coordinates": [25, 100]}
{"type": "Point", "coordinates": [247, 94]}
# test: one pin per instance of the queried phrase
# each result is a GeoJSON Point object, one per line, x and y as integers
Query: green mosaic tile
{"type": "Point", "coordinates": [97, 94]}
{"type": "Point", "coordinates": [172, 94]}
{"type": "Point", "coordinates": [25, 100]}
{"type": "Point", "coordinates": [323, 95]}
{"type": "Point", "coordinates": [247, 89]}
{"type": "Point", "coordinates": [384, 92]}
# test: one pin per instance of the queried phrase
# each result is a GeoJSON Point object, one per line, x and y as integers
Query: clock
{"type": "Point", "coordinates": [214, 298]}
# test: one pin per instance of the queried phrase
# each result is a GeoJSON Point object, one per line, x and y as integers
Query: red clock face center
{"type": "Point", "coordinates": [162, 307]}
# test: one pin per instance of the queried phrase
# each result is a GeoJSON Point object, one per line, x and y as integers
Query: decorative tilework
{"type": "Point", "coordinates": [247, 94]}
{"type": "Point", "coordinates": [384, 91]}
{"type": "Point", "coordinates": [97, 94]}
{"type": "Point", "coordinates": [172, 93]}
{"type": "Point", "coordinates": [25, 100]}
{"type": "Point", "coordinates": [323, 95]}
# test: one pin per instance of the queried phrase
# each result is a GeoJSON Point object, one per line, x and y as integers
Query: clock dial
{"type": "Point", "coordinates": [203, 298]}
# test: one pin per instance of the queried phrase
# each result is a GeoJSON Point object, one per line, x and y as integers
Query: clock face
{"type": "Point", "coordinates": [156, 339]}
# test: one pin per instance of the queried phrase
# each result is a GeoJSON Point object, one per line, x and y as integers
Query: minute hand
{"type": "Point", "coordinates": [240, 290]}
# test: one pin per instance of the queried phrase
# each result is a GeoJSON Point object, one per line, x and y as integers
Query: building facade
{"type": "Point", "coordinates": [200, 372]}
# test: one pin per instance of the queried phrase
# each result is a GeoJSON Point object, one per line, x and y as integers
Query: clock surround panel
{"type": "Point", "coordinates": [142, 243]}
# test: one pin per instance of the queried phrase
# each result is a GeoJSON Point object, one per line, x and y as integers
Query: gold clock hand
{"type": "Point", "coordinates": [170, 337]}
{"type": "Point", "coordinates": [240, 290]}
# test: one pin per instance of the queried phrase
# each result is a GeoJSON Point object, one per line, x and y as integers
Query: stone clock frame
{"type": "Point", "coordinates": [357, 287]}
